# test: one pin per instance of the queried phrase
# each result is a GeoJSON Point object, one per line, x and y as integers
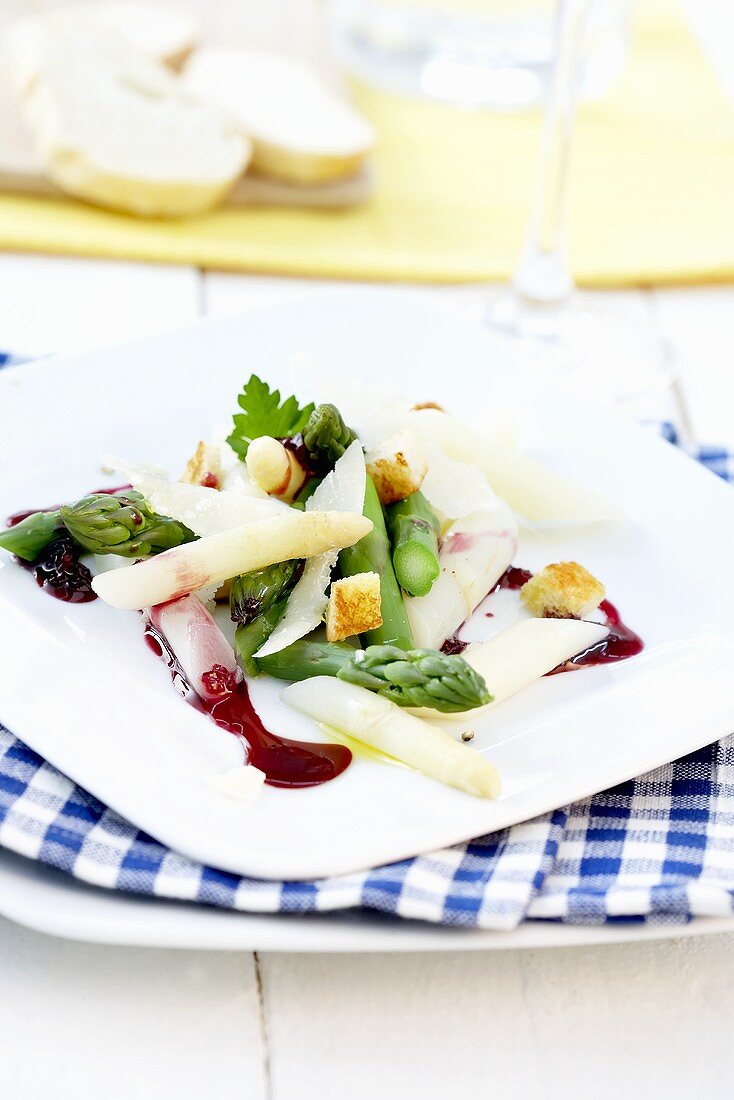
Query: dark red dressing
{"type": "Point", "coordinates": [454, 645]}
{"type": "Point", "coordinates": [620, 643]}
{"type": "Point", "coordinates": [286, 763]}
{"type": "Point", "coordinates": [513, 578]}
{"type": "Point", "coordinates": [59, 572]}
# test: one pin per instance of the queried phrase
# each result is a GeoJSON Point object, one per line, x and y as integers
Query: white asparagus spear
{"type": "Point", "coordinates": [523, 653]}
{"type": "Point", "coordinates": [384, 726]}
{"type": "Point", "coordinates": [474, 554]}
{"type": "Point", "coordinates": [529, 487]}
{"type": "Point", "coordinates": [215, 559]}
{"type": "Point", "coordinates": [198, 642]}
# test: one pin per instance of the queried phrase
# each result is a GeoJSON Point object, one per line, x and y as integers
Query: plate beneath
{"type": "Point", "coordinates": [78, 685]}
{"type": "Point", "coordinates": [49, 901]}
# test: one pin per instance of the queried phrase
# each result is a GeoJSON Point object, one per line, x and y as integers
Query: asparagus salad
{"type": "Point", "coordinates": [340, 548]}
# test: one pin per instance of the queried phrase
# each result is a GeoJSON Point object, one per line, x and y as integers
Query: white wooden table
{"type": "Point", "coordinates": [648, 1019]}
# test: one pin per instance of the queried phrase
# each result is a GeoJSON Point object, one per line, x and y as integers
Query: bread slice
{"type": "Point", "coordinates": [301, 131]}
{"type": "Point", "coordinates": [165, 34]}
{"type": "Point", "coordinates": [115, 127]}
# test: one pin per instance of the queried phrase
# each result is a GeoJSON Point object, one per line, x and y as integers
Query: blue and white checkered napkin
{"type": "Point", "coordinates": [659, 848]}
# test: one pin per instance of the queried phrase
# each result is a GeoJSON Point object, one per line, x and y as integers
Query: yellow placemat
{"type": "Point", "coordinates": [653, 191]}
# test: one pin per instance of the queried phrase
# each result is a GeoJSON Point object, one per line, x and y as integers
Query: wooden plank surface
{"type": "Point", "coordinates": [645, 1020]}
{"type": "Point", "coordinates": [108, 1023]}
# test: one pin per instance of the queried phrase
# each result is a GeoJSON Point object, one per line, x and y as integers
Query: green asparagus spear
{"type": "Point", "coordinates": [124, 525]}
{"type": "Point", "coordinates": [416, 678]}
{"type": "Point", "coordinates": [326, 435]}
{"type": "Point", "coordinates": [255, 592]}
{"type": "Point", "coordinates": [414, 529]}
{"type": "Point", "coordinates": [248, 638]}
{"type": "Point", "coordinates": [372, 554]}
{"type": "Point", "coordinates": [29, 537]}
{"type": "Point", "coordinates": [101, 524]}
{"type": "Point", "coordinates": [326, 438]}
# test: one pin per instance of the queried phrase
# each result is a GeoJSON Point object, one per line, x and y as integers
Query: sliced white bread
{"type": "Point", "coordinates": [162, 33]}
{"type": "Point", "coordinates": [115, 127]}
{"type": "Point", "coordinates": [302, 132]}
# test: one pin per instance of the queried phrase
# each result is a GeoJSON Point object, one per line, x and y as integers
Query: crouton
{"type": "Point", "coordinates": [564, 590]}
{"type": "Point", "coordinates": [204, 467]}
{"type": "Point", "coordinates": [354, 606]}
{"type": "Point", "coordinates": [397, 467]}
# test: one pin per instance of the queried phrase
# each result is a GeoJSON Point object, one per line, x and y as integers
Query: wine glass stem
{"type": "Point", "coordinates": [543, 278]}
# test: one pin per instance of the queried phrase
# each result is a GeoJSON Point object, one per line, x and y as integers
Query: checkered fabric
{"type": "Point", "coordinates": [7, 359]}
{"type": "Point", "coordinates": [659, 848]}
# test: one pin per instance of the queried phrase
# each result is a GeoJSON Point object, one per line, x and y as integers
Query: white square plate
{"type": "Point", "coordinates": [78, 685]}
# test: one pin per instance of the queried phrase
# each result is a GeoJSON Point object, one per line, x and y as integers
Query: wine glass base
{"type": "Point", "coordinates": [609, 363]}
{"type": "Point", "coordinates": [516, 315]}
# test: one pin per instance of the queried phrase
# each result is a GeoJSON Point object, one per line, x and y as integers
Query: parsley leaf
{"type": "Point", "coordinates": [263, 414]}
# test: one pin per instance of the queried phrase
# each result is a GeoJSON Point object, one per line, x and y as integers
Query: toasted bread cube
{"type": "Point", "coordinates": [204, 467]}
{"type": "Point", "coordinates": [397, 467]}
{"type": "Point", "coordinates": [354, 606]}
{"type": "Point", "coordinates": [564, 590]}
{"type": "Point", "coordinates": [428, 405]}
